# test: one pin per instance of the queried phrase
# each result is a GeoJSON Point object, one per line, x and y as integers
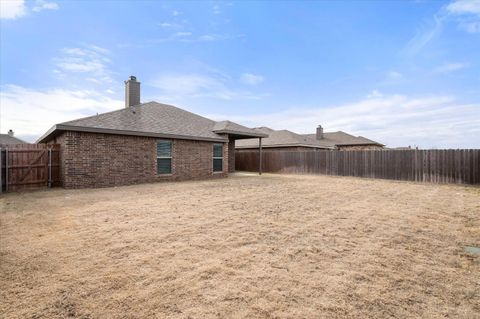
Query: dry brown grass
{"type": "Point", "coordinates": [243, 247]}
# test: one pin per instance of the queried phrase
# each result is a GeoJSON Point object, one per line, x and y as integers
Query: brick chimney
{"type": "Point", "coordinates": [10, 133]}
{"type": "Point", "coordinates": [319, 132]}
{"type": "Point", "coordinates": [132, 91]}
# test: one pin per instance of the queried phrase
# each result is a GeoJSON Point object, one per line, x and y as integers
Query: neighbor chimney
{"type": "Point", "coordinates": [319, 132]}
{"type": "Point", "coordinates": [132, 91]}
{"type": "Point", "coordinates": [10, 133]}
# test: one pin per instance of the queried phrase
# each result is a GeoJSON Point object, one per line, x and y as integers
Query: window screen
{"type": "Point", "coordinates": [217, 157]}
{"type": "Point", "coordinates": [164, 157]}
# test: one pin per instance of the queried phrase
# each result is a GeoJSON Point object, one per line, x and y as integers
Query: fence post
{"type": "Point", "coordinates": [50, 167]}
{"type": "Point", "coordinates": [1, 171]}
{"type": "Point", "coordinates": [6, 170]}
{"type": "Point", "coordinates": [260, 156]}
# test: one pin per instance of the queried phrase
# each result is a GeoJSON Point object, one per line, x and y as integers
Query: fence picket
{"type": "Point", "coordinates": [435, 166]}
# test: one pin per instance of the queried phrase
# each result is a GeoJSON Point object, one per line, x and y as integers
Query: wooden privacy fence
{"type": "Point", "coordinates": [26, 166]}
{"type": "Point", "coordinates": [435, 166]}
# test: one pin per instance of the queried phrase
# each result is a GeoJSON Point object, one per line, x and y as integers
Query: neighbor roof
{"type": "Point", "coordinates": [155, 120]}
{"type": "Point", "coordinates": [7, 139]}
{"type": "Point", "coordinates": [342, 138]}
{"type": "Point", "coordinates": [285, 138]}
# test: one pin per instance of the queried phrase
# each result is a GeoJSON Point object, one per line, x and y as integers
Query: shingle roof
{"type": "Point", "coordinates": [282, 138]}
{"type": "Point", "coordinates": [234, 128]}
{"type": "Point", "coordinates": [7, 139]}
{"type": "Point", "coordinates": [342, 138]}
{"type": "Point", "coordinates": [151, 119]}
{"type": "Point", "coordinates": [285, 138]}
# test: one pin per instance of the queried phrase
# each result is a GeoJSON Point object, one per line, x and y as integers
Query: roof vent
{"type": "Point", "coordinates": [10, 133]}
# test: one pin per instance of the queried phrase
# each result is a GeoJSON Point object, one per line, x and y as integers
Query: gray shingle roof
{"type": "Point", "coordinates": [342, 138]}
{"type": "Point", "coordinates": [151, 119]}
{"type": "Point", "coordinates": [234, 128]}
{"type": "Point", "coordinates": [7, 139]}
{"type": "Point", "coordinates": [285, 138]}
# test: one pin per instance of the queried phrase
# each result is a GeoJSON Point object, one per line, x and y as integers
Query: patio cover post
{"type": "Point", "coordinates": [260, 156]}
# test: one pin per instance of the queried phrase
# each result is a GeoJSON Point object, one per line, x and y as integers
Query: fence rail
{"type": "Point", "coordinates": [435, 166]}
{"type": "Point", "coordinates": [27, 166]}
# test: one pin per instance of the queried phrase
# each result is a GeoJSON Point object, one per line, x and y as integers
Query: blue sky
{"type": "Point", "coordinates": [400, 72]}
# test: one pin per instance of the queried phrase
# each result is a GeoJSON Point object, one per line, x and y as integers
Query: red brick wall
{"type": "Point", "coordinates": [102, 160]}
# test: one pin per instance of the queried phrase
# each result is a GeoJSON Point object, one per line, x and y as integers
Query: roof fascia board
{"type": "Point", "coordinates": [63, 127]}
{"type": "Point", "coordinates": [240, 133]}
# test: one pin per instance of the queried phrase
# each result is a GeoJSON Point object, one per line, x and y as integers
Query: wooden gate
{"type": "Point", "coordinates": [27, 166]}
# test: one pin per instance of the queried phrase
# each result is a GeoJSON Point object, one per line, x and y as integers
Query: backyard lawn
{"type": "Point", "coordinates": [275, 246]}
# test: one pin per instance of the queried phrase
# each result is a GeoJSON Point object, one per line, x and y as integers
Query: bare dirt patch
{"type": "Point", "coordinates": [244, 247]}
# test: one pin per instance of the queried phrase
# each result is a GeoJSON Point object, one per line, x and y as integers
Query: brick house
{"type": "Point", "coordinates": [284, 140]}
{"type": "Point", "coordinates": [144, 142]}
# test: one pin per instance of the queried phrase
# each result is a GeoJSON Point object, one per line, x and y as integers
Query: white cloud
{"type": "Point", "coordinates": [251, 79]}
{"type": "Point", "coordinates": [44, 5]}
{"type": "Point", "coordinates": [185, 83]}
{"type": "Point", "coordinates": [471, 27]}
{"type": "Point", "coordinates": [168, 25]}
{"type": "Point", "coordinates": [216, 9]}
{"type": "Point", "coordinates": [396, 120]}
{"type": "Point", "coordinates": [374, 94]}
{"type": "Point", "coordinates": [464, 7]}
{"type": "Point", "coordinates": [394, 75]}
{"type": "Point", "coordinates": [450, 67]}
{"type": "Point", "coordinates": [467, 13]}
{"type": "Point", "coordinates": [424, 35]}
{"type": "Point", "coordinates": [182, 34]}
{"type": "Point", "coordinates": [91, 60]}
{"type": "Point", "coordinates": [31, 112]}
{"type": "Point", "coordinates": [189, 37]}
{"type": "Point", "coordinates": [196, 85]}
{"type": "Point", "coordinates": [208, 37]}
{"type": "Point", "coordinates": [176, 13]}
{"type": "Point", "coordinates": [12, 9]}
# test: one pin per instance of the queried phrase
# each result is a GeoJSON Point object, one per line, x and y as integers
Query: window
{"type": "Point", "coordinates": [164, 157]}
{"type": "Point", "coordinates": [217, 157]}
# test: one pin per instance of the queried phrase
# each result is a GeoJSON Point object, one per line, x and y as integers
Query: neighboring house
{"type": "Point", "coordinates": [144, 142]}
{"type": "Point", "coordinates": [286, 140]}
{"type": "Point", "coordinates": [9, 139]}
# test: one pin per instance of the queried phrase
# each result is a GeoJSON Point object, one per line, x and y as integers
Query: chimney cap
{"type": "Point", "coordinates": [132, 78]}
